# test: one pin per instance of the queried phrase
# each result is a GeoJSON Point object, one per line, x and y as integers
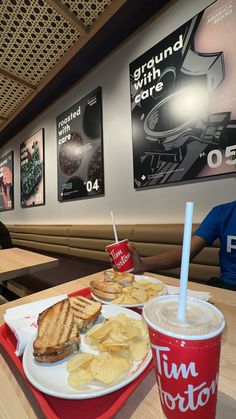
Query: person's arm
{"type": "Point", "coordinates": [166, 260]}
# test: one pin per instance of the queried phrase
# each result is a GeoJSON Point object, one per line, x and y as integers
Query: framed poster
{"type": "Point", "coordinates": [80, 149]}
{"type": "Point", "coordinates": [183, 102]}
{"type": "Point", "coordinates": [7, 182]}
{"type": "Point", "coordinates": [32, 171]}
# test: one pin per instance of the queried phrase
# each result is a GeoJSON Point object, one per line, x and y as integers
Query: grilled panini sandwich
{"type": "Point", "coordinates": [58, 335]}
{"type": "Point", "coordinates": [85, 311]}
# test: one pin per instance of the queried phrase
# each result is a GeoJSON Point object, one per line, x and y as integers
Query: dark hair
{"type": "Point", "coordinates": [5, 238]}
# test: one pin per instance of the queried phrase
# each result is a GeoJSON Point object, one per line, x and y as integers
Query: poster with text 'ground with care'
{"type": "Point", "coordinates": [183, 102]}
{"type": "Point", "coordinates": [80, 149]}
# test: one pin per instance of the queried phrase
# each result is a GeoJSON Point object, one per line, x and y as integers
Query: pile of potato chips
{"type": "Point", "coordinates": [121, 340]}
{"type": "Point", "coordinates": [139, 292]}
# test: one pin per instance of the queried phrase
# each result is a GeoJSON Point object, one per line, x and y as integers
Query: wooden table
{"type": "Point", "coordinates": [15, 262]}
{"type": "Point", "coordinates": [144, 402]}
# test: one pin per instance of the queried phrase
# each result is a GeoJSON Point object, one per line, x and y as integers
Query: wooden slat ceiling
{"type": "Point", "coordinates": [38, 38]}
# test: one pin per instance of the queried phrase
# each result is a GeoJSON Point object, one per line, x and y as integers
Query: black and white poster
{"type": "Point", "coordinates": [183, 102]}
{"type": "Point", "coordinates": [7, 182]}
{"type": "Point", "coordinates": [32, 171]}
{"type": "Point", "coordinates": [80, 149]}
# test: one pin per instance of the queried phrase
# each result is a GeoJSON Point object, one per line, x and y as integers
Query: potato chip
{"type": "Point", "coordinates": [143, 330]}
{"type": "Point", "coordinates": [138, 349]}
{"type": "Point", "coordinates": [156, 287]}
{"type": "Point", "coordinates": [93, 329]}
{"type": "Point", "coordinates": [123, 319]}
{"type": "Point", "coordinates": [127, 290]}
{"type": "Point", "coordinates": [139, 292]}
{"type": "Point", "coordinates": [108, 368]}
{"type": "Point", "coordinates": [119, 300]}
{"type": "Point", "coordinates": [79, 360]}
{"type": "Point", "coordinates": [101, 347]}
{"type": "Point", "coordinates": [132, 332]}
{"type": "Point", "coordinates": [142, 283]}
{"type": "Point", "coordinates": [79, 378]}
{"type": "Point", "coordinates": [129, 299]}
{"type": "Point", "coordinates": [118, 334]}
{"type": "Point", "coordinates": [121, 340]}
{"type": "Point", "coordinates": [102, 332]}
{"type": "Point", "coordinates": [139, 295]}
{"type": "Point", "coordinates": [110, 345]}
{"type": "Point", "coordinates": [123, 361]}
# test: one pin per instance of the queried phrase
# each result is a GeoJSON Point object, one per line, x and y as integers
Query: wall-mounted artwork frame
{"type": "Point", "coordinates": [183, 102]}
{"type": "Point", "coordinates": [32, 171]}
{"type": "Point", "coordinates": [80, 149]}
{"type": "Point", "coordinates": [7, 182]}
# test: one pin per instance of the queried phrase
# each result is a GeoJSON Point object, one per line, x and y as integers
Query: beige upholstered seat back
{"type": "Point", "coordinates": [89, 242]}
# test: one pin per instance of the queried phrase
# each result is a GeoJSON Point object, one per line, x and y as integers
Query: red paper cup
{"type": "Point", "coordinates": [121, 256]}
{"type": "Point", "coordinates": [186, 365]}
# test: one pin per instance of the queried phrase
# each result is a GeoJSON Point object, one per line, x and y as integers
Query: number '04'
{"type": "Point", "coordinates": [215, 157]}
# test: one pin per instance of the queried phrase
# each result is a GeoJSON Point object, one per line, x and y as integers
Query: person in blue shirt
{"type": "Point", "coordinates": [220, 224]}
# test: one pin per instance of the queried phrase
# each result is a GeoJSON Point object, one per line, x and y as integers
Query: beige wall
{"type": "Point", "coordinates": [158, 205]}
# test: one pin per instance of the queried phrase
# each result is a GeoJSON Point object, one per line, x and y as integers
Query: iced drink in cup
{"type": "Point", "coordinates": [121, 256]}
{"type": "Point", "coordinates": [186, 355]}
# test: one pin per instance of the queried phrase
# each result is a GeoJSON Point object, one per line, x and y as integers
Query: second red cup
{"type": "Point", "coordinates": [121, 255]}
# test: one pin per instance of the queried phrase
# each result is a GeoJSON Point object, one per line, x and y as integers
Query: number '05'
{"type": "Point", "coordinates": [215, 158]}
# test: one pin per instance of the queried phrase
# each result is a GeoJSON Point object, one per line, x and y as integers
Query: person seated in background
{"type": "Point", "coordinates": [220, 223]}
{"type": "Point", "coordinates": [5, 238]}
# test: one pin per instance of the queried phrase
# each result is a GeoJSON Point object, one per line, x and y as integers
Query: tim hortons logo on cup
{"type": "Point", "coordinates": [188, 398]}
{"type": "Point", "coordinates": [119, 258]}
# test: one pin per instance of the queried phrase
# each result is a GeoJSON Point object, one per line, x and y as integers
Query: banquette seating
{"type": "Point", "coordinates": [81, 251]}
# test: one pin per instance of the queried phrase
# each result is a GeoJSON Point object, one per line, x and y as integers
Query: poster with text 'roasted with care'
{"type": "Point", "coordinates": [183, 102]}
{"type": "Point", "coordinates": [80, 149]}
{"type": "Point", "coordinates": [32, 170]}
{"type": "Point", "coordinates": [6, 182]}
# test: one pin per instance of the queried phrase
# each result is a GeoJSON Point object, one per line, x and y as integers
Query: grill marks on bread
{"type": "Point", "coordinates": [85, 311]}
{"type": "Point", "coordinates": [83, 307]}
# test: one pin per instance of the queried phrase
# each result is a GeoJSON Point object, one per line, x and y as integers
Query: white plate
{"type": "Point", "coordinates": [137, 278]}
{"type": "Point", "coordinates": [52, 378]}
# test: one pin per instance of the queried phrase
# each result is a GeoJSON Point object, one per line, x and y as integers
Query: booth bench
{"type": "Point", "coordinates": [81, 251]}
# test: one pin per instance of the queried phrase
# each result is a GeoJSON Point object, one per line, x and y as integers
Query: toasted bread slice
{"type": "Point", "coordinates": [57, 335]}
{"type": "Point", "coordinates": [104, 289]}
{"type": "Point", "coordinates": [106, 286]}
{"type": "Point", "coordinates": [105, 295]}
{"type": "Point", "coordinates": [86, 311]}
